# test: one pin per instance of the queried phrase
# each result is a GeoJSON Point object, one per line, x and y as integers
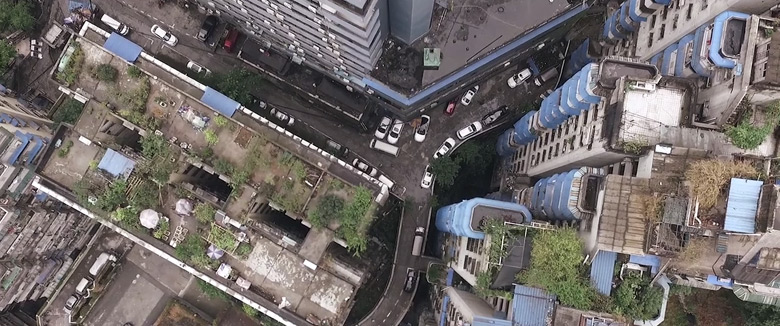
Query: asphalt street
{"type": "Point", "coordinates": [406, 169]}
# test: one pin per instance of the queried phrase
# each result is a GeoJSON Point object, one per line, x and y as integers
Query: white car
{"type": "Point", "coordinates": [422, 129]}
{"type": "Point", "coordinates": [198, 68]}
{"type": "Point", "coordinates": [71, 303]}
{"type": "Point", "coordinates": [283, 117]}
{"type": "Point", "coordinates": [381, 131]}
{"type": "Point", "coordinates": [395, 132]}
{"type": "Point", "coordinates": [466, 100]}
{"type": "Point", "coordinates": [518, 78]}
{"type": "Point", "coordinates": [444, 148]}
{"type": "Point", "coordinates": [471, 129]}
{"type": "Point", "coordinates": [163, 34]}
{"type": "Point", "coordinates": [364, 167]}
{"type": "Point", "coordinates": [427, 179]}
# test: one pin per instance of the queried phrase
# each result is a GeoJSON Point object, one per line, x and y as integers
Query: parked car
{"type": "Point", "coordinates": [207, 27]}
{"type": "Point", "coordinates": [256, 102]}
{"type": "Point", "coordinates": [230, 40]}
{"type": "Point", "coordinates": [422, 129]}
{"type": "Point", "coordinates": [364, 167]}
{"type": "Point", "coordinates": [450, 107]}
{"type": "Point", "coordinates": [444, 148]}
{"type": "Point", "coordinates": [283, 117]}
{"type": "Point", "coordinates": [427, 179]}
{"type": "Point", "coordinates": [466, 100]}
{"type": "Point", "coordinates": [198, 68]}
{"type": "Point", "coordinates": [495, 115]}
{"type": "Point", "coordinates": [395, 132]}
{"type": "Point", "coordinates": [518, 78]}
{"type": "Point", "coordinates": [470, 130]}
{"type": "Point", "coordinates": [164, 35]}
{"type": "Point", "coordinates": [411, 280]}
{"type": "Point", "coordinates": [71, 304]}
{"type": "Point", "coordinates": [384, 125]}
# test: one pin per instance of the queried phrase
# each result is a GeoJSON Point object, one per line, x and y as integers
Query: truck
{"type": "Point", "coordinates": [419, 233]}
{"type": "Point", "coordinates": [546, 76]}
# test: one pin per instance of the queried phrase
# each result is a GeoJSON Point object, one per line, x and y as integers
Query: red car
{"type": "Point", "coordinates": [450, 107]}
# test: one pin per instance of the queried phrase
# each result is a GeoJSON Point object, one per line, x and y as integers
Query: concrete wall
{"type": "Point", "coordinates": [410, 19]}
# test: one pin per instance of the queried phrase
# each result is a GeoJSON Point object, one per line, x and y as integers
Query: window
{"type": "Point", "coordinates": [650, 40]}
{"type": "Point", "coordinates": [661, 32]}
{"type": "Point", "coordinates": [652, 21]}
{"type": "Point", "coordinates": [690, 9]}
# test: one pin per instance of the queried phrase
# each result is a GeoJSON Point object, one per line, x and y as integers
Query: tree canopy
{"type": "Point", "coordinates": [445, 169]}
{"type": "Point", "coordinates": [236, 84]}
{"type": "Point", "coordinates": [15, 16]}
{"type": "Point", "coordinates": [7, 54]}
{"type": "Point", "coordinates": [556, 258]}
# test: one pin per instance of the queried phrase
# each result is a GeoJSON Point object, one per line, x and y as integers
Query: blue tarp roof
{"type": "Point", "coordinates": [219, 102]}
{"type": "Point", "coordinates": [602, 270]}
{"type": "Point", "coordinates": [742, 205]}
{"type": "Point", "coordinates": [122, 47]}
{"type": "Point", "coordinates": [532, 306]}
{"type": "Point", "coordinates": [715, 280]}
{"type": "Point", "coordinates": [116, 164]}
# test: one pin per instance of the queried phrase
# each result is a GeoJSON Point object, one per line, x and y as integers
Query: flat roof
{"type": "Point", "coordinates": [464, 34]}
{"type": "Point", "coordinates": [481, 212]}
{"type": "Point", "coordinates": [646, 111]}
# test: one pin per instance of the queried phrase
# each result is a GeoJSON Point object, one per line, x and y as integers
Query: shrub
{"type": "Point", "coordinates": [221, 121]}
{"type": "Point", "coordinates": [222, 238]}
{"type": "Point", "coordinates": [637, 299]}
{"type": "Point", "coordinates": [748, 135]}
{"type": "Point", "coordinates": [212, 291]}
{"type": "Point", "coordinates": [105, 72]}
{"type": "Point", "coordinates": [72, 69]}
{"type": "Point", "coordinates": [192, 247]}
{"type": "Point", "coordinates": [204, 213]}
{"type": "Point", "coordinates": [211, 137]}
{"type": "Point", "coordinates": [65, 149]}
{"type": "Point", "coordinates": [244, 249]}
{"type": "Point", "coordinates": [162, 228]}
{"type": "Point", "coordinates": [249, 311]}
{"type": "Point", "coordinates": [223, 166]}
{"type": "Point", "coordinates": [113, 196]}
{"type": "Point", "coordinates": [134, 72]}
{"type": "Point", "coordinates": [328, 209]}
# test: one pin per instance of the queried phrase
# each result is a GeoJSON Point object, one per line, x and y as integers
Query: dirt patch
{"type": "Point", "coordinates": [243, 137]}
{"type": "Point", "coordinates": [176, 314]}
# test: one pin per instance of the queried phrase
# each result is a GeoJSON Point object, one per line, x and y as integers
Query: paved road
{"type": "Point", "coordinates": [406, 169]}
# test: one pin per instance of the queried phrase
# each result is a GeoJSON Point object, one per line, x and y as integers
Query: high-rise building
{"type": "Point", "coordinates": [349, 41]}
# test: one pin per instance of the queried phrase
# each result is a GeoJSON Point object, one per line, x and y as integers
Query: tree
{"type": "Point", "coordinates": [68, 112]}
{"type": "Point", "coordinates": [16, 16]}
{"type": "Point", "coordinates": [160, 158]}
{"type": "Point", "coordinates": [328, 209]}
{"type": "Point", "coordinates": [211, 137]}
{"type": "Point", "coordinates": [636, 298]}
{"type": "Point", "coordinates": [556, 257]}
{"type": "Point", "coordinates": [757, 314]}
{"type": "Point", "coordinates": [113, 196]}
{"type": "Point", "coordinates": [445, 170]}
{"type": "Point", "coordinates": [192, 247]}
{"type": "Point", "coordinates": [7, 55]}
{"type": "Point", "coordinates": [236, 84]}
{"type": "Point", "coordinates": [146, 195]}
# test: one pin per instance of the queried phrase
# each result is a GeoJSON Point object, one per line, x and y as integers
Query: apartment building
{"type": "Point", "coordinates": [342, 37]}
{"type": "Point", "coordinates": [529, 306]}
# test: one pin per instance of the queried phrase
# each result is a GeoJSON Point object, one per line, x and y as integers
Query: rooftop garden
{"type": "Point", "coordinates": [754, 126]}
{"type": "Point", "coordinates": [349, 211]}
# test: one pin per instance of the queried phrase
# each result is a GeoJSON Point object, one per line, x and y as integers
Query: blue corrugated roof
{"type": "Point", "coordinates": [531, 306]}
{"type": "Point", "coordinates": [647, 260]}
{"type": "Point", "coordinates": [122, 47]}
{"type": "Point", "coordinates": [742, 205]}
{"type": "Point", "coordinates": [25, 139]}
{"type": "Point", "coordinates": [490, 321]}
{"type": "Point", "coordinates": [715, 280]}
{"type": "Point", "coordinates": [39, 142]}
{"type": "Point", "coordinates": [602, 270]}
{"type": "Point", "coordinates": [220, 102]}
{"type": "Point", "coordinates": [116, 164]}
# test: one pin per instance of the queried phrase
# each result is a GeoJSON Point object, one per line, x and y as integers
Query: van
{"type": "Point", "coordinates": [418, 241]}
{"type": "Point", "coordinates": [546, 76]}
{"type": "Point", "coordinates": [384, 147]}
{"type": "Point", "coordinates": [120, 28]}
{"type": "Point", "coordinates": [84, 286]}
{"type": "Point", "coordinates": [100, 263]}
{"type": "Point", "coordinates": [389, 183]}
{"type": "Point", "coordinates": [230, 40]}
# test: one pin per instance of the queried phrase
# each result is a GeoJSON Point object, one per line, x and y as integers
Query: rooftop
{"type": "Point", "coordinates": [646, 111]}
{"type": "Point", "coordinates": [465, 33]}
{"type": "Point", "coordinates": [622, 225]}
{"type": "Point", "coordinates": [234, 165]}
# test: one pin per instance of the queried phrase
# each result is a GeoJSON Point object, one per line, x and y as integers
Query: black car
{"type": "Point", "coordinates": [207, 28]}
{"type": "Point", "coordinates": [411, 280]}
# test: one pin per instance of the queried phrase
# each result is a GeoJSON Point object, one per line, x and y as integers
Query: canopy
{"type": "Point", "coordinates": [149, 218]}
{"type": "Point", "coordinates": [183, 207]}
{"type": "Point", "coordinates": [214, 253]}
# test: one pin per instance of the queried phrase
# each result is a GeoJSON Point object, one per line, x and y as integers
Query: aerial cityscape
{"type": "Point", "coordinates": [389, 162]}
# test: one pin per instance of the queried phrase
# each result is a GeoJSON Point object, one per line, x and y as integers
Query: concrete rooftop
{"type": "Point", "coordinates": [464, 31]}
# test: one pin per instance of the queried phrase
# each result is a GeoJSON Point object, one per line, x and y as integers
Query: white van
{"type": "Point", "coordinates": [120, 28]}
{"type": "Point", "coordinates": [100, 263]}
{"type": "Point", "coordinates": [84, 286]}
{"type": "Point", "coordinates": [389, 183]}
{"type": "Point", "coordinates": [384, 147]}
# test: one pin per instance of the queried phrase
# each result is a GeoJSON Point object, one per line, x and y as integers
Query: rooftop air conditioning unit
{"type": "Point", "coordinates": [644, 86]}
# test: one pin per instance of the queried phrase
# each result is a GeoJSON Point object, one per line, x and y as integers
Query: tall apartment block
{"type": "Point", "coordinates": [348, 41]}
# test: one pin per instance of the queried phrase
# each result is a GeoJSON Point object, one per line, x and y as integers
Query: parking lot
{"type": "Point", "coordinates": [54, 315]}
